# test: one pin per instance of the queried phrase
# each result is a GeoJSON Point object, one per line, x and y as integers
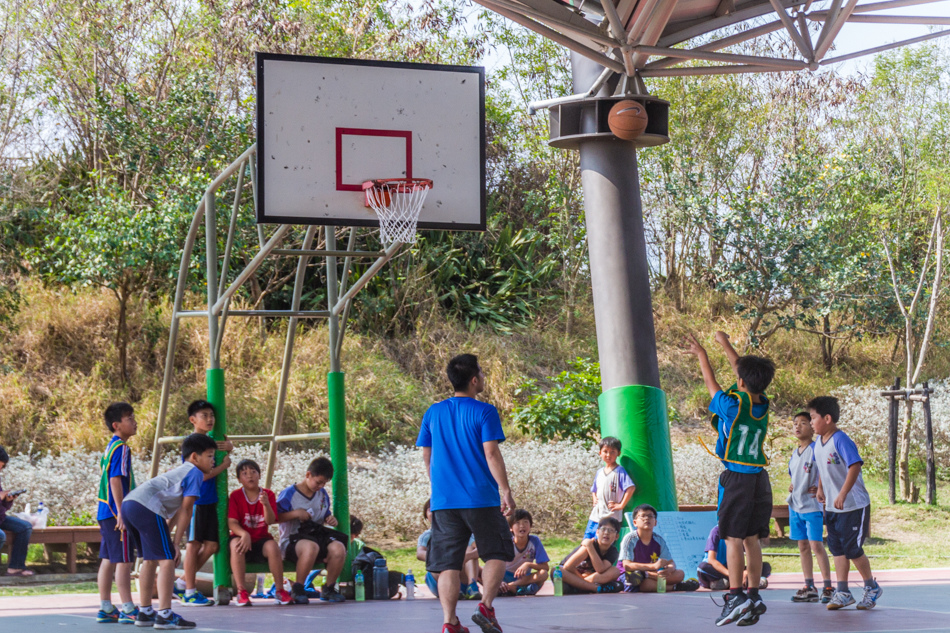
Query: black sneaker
{"type": "Point", "coordinates": [145, 619]}
{"type": "Point", "coordinates": [329, 594]}
{"type": "Point", "coordinates": [690, 584]}
{"type": "Point", "coordinates": [299, 594]}
{"type": "Point", "coordinates": [735, 606]}
{"type": "Point", "coordinates": [610, 587]}
{"type": "Point", "coordinates": [174, 622]}
{"type": "Point", "coordinates": [752, 616]}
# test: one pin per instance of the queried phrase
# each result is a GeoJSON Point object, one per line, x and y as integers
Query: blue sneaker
{"type": "Point", "coordinates": [870, 598]}
{"type": "Point", "coordinates": [329, 594]}
{"type": "Point", "coordinates": [178, 593]}
{"type": "Point", "coordinates": [197, 599]}
{"type": "Point", "coordinates": [145, 619]}
{"type": "Point", "coordinates": [528, 590]}
{"type": "Point", "coordinates": [107, 617]}
{"type": "Point", "coordinates": [174, 622]}
{"type": "Point", "coordinates": [128, 618]}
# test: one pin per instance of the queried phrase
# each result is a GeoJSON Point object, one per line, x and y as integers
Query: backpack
{"type": "Point", "coordinates": [364, 562]}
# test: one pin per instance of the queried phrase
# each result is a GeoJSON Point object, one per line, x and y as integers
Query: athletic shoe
{"type": "Point", "coordinates": [454, 628]}
{"type": "Point", "coordinates": [243, 598]}
{"type": "Point", "coordinates": [282, 597]}
{"type": "Point", "coordinates": [485, 618]}
{"type": "Point", "coordinates": [870, 598]}
{"type": "Point", "coordinates": [174, 622]}
{"type": "Point", "coordinates": [145, 619]}
{"type": "Point", "coordinates": [107, 617]}
{"type": "Point", "coordinates": [806, 594]}
{"type": "Point", "coordinates": [840, 600]}
{"type": "Point", "coordinates": [734, 607]}
{"type": "Point", "coordinates": [197, 599]}
{"type": "Point", "coordinates": [719, 585]}
{"type": "Point", "coordinates": [299, 594]}
{"type": "Point", "coordinates": [610, 587]}
{"type": "Point", "coordinates": [528, 590]}
{"type": "Point", "coordinates": [471, 592]}
{"type": "Point", "coordinates": [329, 594]}
{"type": "Point", "coordinates": [690, 584]}
{"type": "Point", "coordinates": [763, 583]}
{"type": "Point", "coordinates": [128, 618]}
{"type": "Point", "coordinates": [752, 616]}
{"type": "Point", "coordinates": [827, 593]}
{"type": "Point", "coordinates": [178, 592]}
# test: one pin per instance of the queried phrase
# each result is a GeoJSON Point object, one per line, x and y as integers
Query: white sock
{"type": "Point", "coordinates": [106, 605]}
{"type": "Point", "coordinates": [180, 583]}
{"type": "Point", "coordinates": [190, 592]}
{"type": "Point", "coordinates": [128, 607]}
{"type": "Point", "coordinates": [147, 610]}
{"type": "Point", "coordinates": [165, 613]}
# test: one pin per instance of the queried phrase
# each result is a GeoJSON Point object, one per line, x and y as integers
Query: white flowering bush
{"type": "Point", "coordinates": [864, 417]}
{"type": "Point", "coordinates": [387, 491]}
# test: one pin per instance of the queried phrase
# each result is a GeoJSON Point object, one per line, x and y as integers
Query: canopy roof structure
{"type": "Point", "coordinates": [655, 38]}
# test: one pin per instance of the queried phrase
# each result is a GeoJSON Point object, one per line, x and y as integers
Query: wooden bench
{"type": "Point", "coordinates": [779, 513]}
{"type": "Point", "coordinates": [67, 536]}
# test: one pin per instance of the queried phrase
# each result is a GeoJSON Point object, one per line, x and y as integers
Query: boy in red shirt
{"type": "Point", "coordinates": [250, 510]}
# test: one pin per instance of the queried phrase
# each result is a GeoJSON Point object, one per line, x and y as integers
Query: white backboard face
{"type": "Point", "coordinates": [324, 126]}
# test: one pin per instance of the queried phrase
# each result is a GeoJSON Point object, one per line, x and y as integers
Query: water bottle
{"type": "Point", "coordinates": [41, 516]}
{"type": "Point", "coordinates": [558, 579]}
{"type": "Point", "coordinates": [410, 586]}
{"type": "Point", "coordinates": [380, 580]}
{"type": "Point", "coordinates": [661, 584]}
{"type": "Point", "coordinates": [288, 585]}
{"type": "Point", "coordinates": [259, 592]}
{"type": "Point", "coordinates": [360, 587]}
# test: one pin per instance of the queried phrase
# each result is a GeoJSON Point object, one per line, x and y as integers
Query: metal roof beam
{"type": "Point", "coordinates": [891, 4]}
{"type": "Point", "coordinates": [590, 38]}
{"type": "Point", "coordinates": [711, 70]}
{"type": "Point", "coordinates": [724, 42]}
{"type": "Point", "coordinates": [833, 27]}
{"type": "Point", "coordinates": [932, 20]}
{"type": "Point", "coordinates": [722, 57]}
{"type": "Point", "coordinates": [885, 47]}
{"type": "Point", "coordinates": [643, 19]}
{"type": "Point", "coordinates": [791, 28]}
{"type": "Point", "coordinates": [696, 28]}
{"type": "Point", "coordinates": [653, 31]}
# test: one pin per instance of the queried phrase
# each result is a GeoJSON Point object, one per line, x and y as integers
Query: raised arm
{"type": "Point", "coordinates": [723, 339]}
{"type": "Point", "coordinates": [709, 376]}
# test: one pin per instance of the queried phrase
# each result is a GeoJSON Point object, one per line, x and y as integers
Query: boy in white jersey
{"type": "Point", "coordinates": [805, 518]}
{"type": "Point", "coordinates": [528, 570]}
{"type": "Point", "coordinates": [847, 503]}
{"type": "Point", "coordinates": [612, 487]}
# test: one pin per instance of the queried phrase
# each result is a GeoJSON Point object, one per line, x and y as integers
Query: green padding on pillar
{"type": "Point", "coordinates": [222, 563]}
{"type": "Point", "coordinates": [336, 400]}
{"type": "Point", "coordinates": [636, 415]}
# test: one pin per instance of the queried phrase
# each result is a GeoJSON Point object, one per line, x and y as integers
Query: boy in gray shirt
{"type": "Point", "coordinates": [805, 517]}
{"type": "Point", "coordinates": [847, 503]}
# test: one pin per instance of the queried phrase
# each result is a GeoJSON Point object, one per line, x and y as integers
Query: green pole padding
{"type": "Point", "coordinates": [222, 563]}
{"type": "Point", "coordinates": [636, 415]}
{"type": "Point", "coordinates": [336, 400]}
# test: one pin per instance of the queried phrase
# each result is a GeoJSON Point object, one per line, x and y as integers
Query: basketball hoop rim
{"type": "Point", "coordinates": [407, 184]}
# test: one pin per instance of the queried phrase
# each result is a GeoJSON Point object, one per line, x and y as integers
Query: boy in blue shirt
{"type": "Point", "coordinates": [203, 532]}
{"type": "Point", "coordinates": [147, 511]}
{"type": "Point", "coordinates": [847, 503]}
{"type": "Point", "coordinates": [740, 416]}
{"type": "Point", "coordinates": [645, 557]}
{"type": "Point", "coordinates": [115, 483]}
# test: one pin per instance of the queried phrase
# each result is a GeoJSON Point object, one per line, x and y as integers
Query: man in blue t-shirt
{"type": "Point", "coordinates": [459, 439]}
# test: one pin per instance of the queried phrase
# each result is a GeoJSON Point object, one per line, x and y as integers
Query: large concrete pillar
{"type": "Point", "coordinates": [632, 405]}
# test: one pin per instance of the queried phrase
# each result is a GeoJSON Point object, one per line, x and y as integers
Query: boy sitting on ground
{"type": "Point", "coordinates": [592, 566]}
{"type": "Point", "coordinates": [147, 511]}
{"type": "Point", "coordinates": [303, 510]}
{"type": "Point", "coordinates": [645, 557]}
{"type": "Point", "coordinates": [525, 574]}
{"type": "Point", "coordinates": [468, 578]}
{"type": "Point", "coordinates": [713, 573]}
{"type": "Point", "coordinates": [250, 510]}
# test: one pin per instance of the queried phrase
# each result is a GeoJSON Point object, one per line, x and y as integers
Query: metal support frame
{"type": "Point", "coordinates": [217, 311]}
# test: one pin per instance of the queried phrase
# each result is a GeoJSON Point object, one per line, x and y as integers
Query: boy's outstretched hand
{"type": "Point", "coordinates": [693, 346]}
{"type": "Point", "coordinates": [722, 338]}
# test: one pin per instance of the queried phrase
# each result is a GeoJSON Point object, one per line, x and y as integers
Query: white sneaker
{"type": "Point", "coordinates": [841, 600]}
{"type": "Point", "coordinates": [870, 598]}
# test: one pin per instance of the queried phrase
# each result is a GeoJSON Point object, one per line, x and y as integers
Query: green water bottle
{"type": "Point", "coordinates": [558, 579]}
{"type": "Point", "coordinates": [360, 587]}
{"type": "Point", "coordinates": [661, 584]}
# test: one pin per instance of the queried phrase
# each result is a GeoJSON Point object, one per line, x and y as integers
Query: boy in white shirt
{"type": "Point", "coordinates": [612, 487]}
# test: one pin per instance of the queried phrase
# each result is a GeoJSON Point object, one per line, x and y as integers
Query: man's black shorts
{"type": "Point", "coordinates": [847, 532]}
{"type": "Point", "coordinates": [745, 504]}
{"type": "Point", "coordinates": [320, 535]}
{"type": "Point", "coordinates": [204, 523]}
{"type": "Point", "coordinates": [451, 530]}
{"type": "Point", "coordinates": [256, 553]}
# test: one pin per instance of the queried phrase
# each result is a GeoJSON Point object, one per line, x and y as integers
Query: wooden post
{"type": "Point", "coordinates": [892, 446]}
{"type": "Point", "coordinates": [931, 470]}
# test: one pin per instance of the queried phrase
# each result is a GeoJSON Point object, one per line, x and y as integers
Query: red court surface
{"type": "Point", "coordinates": [916, 600]}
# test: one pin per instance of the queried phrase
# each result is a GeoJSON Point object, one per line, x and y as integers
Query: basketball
{"type": "Point", "coordinates": [627, 119]}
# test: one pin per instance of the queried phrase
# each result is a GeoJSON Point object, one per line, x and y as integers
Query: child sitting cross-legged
{"type": "Point", "coordinates": [592, 566]}
{"type": "Point", "coordinates": [468, 578]}
{"type": "Point", "coordinates": [525, 574]}
{"type": "Point", "coordinates": [645, 557]}
{"type": "Point", "coordinates": [250, 510]}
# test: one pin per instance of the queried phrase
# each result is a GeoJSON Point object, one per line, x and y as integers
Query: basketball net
{"type": "Point", "coordinates": [397, 202]}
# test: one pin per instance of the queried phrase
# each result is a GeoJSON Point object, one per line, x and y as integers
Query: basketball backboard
{"type": "Point", "coordinates": [325, 126]}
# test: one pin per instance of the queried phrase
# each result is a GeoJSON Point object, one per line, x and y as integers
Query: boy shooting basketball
{"type": "Point", "coordinates": [740, 416]}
